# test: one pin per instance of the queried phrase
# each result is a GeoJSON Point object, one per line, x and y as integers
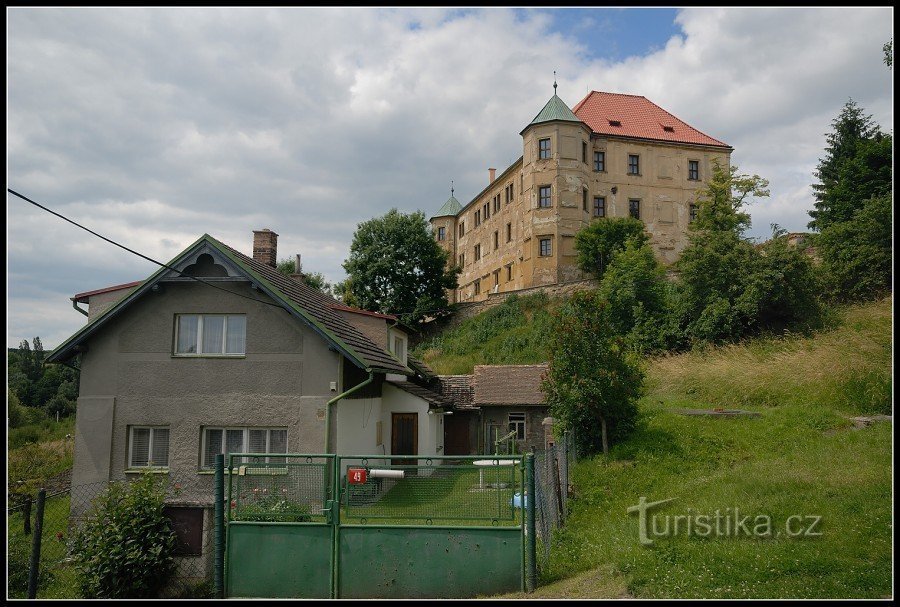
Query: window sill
{"type": "Point", "coordinates": [144, 470]}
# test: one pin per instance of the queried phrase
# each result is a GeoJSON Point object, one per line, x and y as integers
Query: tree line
{"type": "Point", "coordinates": [37, 391]}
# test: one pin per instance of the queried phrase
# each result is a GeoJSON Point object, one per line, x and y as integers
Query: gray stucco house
{"type": "Point", "coordinates": [221, 353]}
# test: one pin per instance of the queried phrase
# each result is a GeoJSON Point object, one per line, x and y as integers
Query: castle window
{"type": "Point", "coordinates": [512, 192]}
{"type": "Point", "coordinates": [543, 148]}
{"type": "Point", "coordinates": [508, 232]}
{"type": "Point", "coordinates": [509, 273]}
{"type": "Point", "coordinates": [599, 206]}
{"type": "Point", "coordinates": [442, 233]}
{"type": "Point", "coordinates": [496, 277]}
{"type": "Point", "coordinates": [634, 208]}
{"type": "Point", "coordinates": [634, 164]}
{"type": "Point", "coordinates": [462, 228]}
{"type": "Point", "coordinates": [584, 152]}
{"type": "Point", "coordinates": [599, 161]}
{"type": "Point", "coordinates": [693, 212]}
{"type": "Point", "coordinates": [544, 197]}
{"type": "Point", "coordinates": [477, 284]}
{"type": "Point", "coordinates": [496, 239]}
{"type": "Point", "coordinates": [694, 170]}
{"type": "Point", "coordinates": [584, 197]}
{"type": "Point", "coordinates": [546, 247]}
{"type": "Point", "coordinates": [477, 218]}
{"type": "Point", "coordinates": [462, 259]}
{"type": "Point", "coordinates": [486, 207]}
{"type": "Point", "coordinates": [477, 252]}
{"type": "Point", "coordinates": [497, 203]}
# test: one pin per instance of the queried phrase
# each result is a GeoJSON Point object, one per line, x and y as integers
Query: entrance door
{"type": "Point", "coordinates": [456, 434]}
{"type": "Point", "coordinates": [404, 436]}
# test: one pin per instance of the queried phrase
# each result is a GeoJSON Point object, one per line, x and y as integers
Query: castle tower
{"type": "Point", "coordinates": [444, 228]}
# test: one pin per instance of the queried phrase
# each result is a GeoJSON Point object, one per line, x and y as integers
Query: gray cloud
{"type": "Point", "coordinates": [153, 126]}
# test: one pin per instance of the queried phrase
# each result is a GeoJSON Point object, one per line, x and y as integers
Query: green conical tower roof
{"type": "Point", "coordinates": [451, 208]}
{"type": "Point", "coordinates": [555, 109]}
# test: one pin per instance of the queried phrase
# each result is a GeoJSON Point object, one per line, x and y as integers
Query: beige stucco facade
{"type": "Point", "coordinates": [502, 252]}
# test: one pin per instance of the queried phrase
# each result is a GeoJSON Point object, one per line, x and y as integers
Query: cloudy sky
{"type": "Point", "coordinates": [153, 126]}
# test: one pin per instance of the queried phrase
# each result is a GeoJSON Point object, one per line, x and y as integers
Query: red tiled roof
{"type": "Point", "coordinates": [639, 117]}
{"type": "Point", "coordinates": [81, 297]}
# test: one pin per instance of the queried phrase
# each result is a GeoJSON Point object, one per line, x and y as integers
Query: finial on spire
{"type": "Point", "coordinates": [554, 82]}
{"type": "Point", "coordinates": [451, 188]}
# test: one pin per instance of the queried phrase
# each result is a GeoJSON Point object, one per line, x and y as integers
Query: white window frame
{"type": "Point", "coordinates": [399, 353]}
{"type": "Point", "coordinates": [245, 445]}
{"type": "Point", "coordinates": [523, 422]}
{"type": "Point", "coordinates": [153, 429]}
{"type": "Point", "coordinates": [199, 354]}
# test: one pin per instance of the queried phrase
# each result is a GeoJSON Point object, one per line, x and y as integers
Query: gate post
{"type": "Point", "coordinates": [36, 545]}
{"type": "Point", "coordinates": [219, 563]}
{"type": "Point", "coordinates": [530, 539]}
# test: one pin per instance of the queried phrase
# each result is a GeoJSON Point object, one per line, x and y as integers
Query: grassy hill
{"type": "Point", "coordinates": [511, 333]}
{"type": "Point", "coordinates": [802, 456]}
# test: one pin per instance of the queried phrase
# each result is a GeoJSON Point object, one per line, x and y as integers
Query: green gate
{"type": "Point", "coordinates": [339, 526]}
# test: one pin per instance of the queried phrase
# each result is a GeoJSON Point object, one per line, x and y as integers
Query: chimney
{"type": "Point", "coordinates": [265, 247]}
{"type": "Point", "coordinates": [298, 269]}
{"type": "Point", "coordinates": [493, 174]}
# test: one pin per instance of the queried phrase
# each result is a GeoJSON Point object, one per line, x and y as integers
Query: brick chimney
{"type": "Point", "coordinates": [493, 174]}
{"type": "Point", "coordinates": [265, 247]}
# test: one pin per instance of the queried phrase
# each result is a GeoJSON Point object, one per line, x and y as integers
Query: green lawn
{"type": "Point", "coordinates": [57, 576]}
{"type": "Point", "coordinates": [802, 456]}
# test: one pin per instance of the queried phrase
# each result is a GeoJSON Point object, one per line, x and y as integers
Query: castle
{"type": "Point", "coordinates": [613, 155]}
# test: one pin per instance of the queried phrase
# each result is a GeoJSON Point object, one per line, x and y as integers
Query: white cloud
{"type": "Point", "coordinates": [154, 126]}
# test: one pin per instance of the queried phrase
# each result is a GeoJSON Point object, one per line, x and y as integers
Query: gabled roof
{"type": "Point", "coordinates": [509, 385]}
{"type": "Point", "coordinates": [637, 116]}
{"type": "Point", "coordinates": [309, 305]}
{"type": "Point", "coordinates": [450, 208]}
{"type": "Point", "coordinates": [555, 109]}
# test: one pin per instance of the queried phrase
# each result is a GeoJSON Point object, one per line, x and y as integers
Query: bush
{"type": "Point", "coordinates": [125, 549]}
{"type": "Point", "coordinates": [593, 383]}
{"type": "Point", "coordinates": [597, 242]}
{"type": "Point", "coordinates": [638, 294]}
{"type": "Point", "coordinates": [857, 254]}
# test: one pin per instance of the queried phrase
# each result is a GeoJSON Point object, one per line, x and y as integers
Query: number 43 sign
{"type": "Point", "coordinates": [356, 476]}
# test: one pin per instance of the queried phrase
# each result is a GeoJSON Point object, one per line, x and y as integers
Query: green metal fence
{"type": "Point", "coordinates": [327, 526]}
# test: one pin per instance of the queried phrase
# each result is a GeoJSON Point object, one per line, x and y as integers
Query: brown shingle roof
{"type": "Point", "coordinates": [509, 384]}
{"type": "Point", "coordinates": [432, 398]}
{"type": "Point", "coordinates": [458, 388]}
{"type": "Point", "coordinates": [320, 306]}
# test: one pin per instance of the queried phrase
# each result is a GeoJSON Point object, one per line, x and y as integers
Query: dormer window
{"type": "Point", "coordinates": [668, 129]}
{"type": "Point", "coordinates": [615, 123]}
{"type": "Point", "coordinates": [397, 345]}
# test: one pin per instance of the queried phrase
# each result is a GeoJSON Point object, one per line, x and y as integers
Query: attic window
{"type": "Point", "coordinates": [615, 123]}
{"type": "Point", "coordinates": [668, 129]}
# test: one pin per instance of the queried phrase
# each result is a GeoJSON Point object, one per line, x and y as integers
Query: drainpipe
{"type": "Point", "coordinates": [328, 447]}
{"type": "Point", "coordinates": [75, 305]}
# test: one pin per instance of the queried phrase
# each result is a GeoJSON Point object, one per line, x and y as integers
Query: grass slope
{"type": "Point", "coordinates": [512, 333]}
{"type": "Point", "coordinates": [802, 456]}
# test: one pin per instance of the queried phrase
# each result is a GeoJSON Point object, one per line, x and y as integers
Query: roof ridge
{"type": "Point", "coordinates": [684, 123]}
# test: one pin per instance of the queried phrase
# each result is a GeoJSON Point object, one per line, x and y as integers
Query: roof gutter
{"type": "Point", "coordinates": [329, 448]}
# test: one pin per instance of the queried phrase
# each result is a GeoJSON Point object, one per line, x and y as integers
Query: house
{"type": "Point", "coordinates": [612, 155]}
{"type": "Point", "coordinates": [492, 403]}
{"type": "Point", "coordinates": [219, 352]}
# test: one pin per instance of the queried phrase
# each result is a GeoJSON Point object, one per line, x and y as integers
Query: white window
{"type": "Point", "coordinates": [148, 447]}
{"type": "Point", "coordinates": [517, 423]}
{"type": "Point", "coordinates": [397, 346]}
{"type": "Point", "coordinates": [242, 440]}
{"type": "Point", "coordinates": [210, 334]}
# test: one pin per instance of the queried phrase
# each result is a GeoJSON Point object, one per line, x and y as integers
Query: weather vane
{"type": "Point", "coordinates": [451, 188]}
{"type": "Point", "coordinates": [554, 82]}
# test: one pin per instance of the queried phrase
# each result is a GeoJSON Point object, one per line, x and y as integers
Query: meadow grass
{"type": "Point", "coordinates": [801, 456]}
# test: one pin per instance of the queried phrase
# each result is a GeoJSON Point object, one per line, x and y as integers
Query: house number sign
{"type": "Point", "coordinates": [357, 476]}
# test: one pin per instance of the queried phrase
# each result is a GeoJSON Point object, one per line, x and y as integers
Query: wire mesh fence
{"type": "Point", "coordinates": [552, 489]}
{"type": "Point", "coordinates": [189, 505]}
{"type": "Point", "coordinates": [450, 491]}
{"type": "Point", "coordinates": [287, 489]}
